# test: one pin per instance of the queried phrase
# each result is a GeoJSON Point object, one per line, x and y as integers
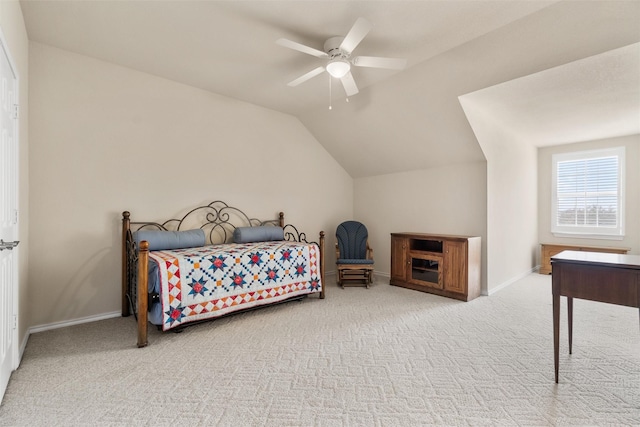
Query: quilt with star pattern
{"type": "Point", "coordinates": [210, 281]}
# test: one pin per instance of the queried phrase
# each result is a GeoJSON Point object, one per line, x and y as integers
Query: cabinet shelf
{"type": "Point", "coordinates": [425, 269]}
{"type": "Point", "coordinates": [426, 245]}
{"type": "Point", "coordinates": [413, 251]}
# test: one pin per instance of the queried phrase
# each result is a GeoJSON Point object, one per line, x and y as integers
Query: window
{"type": "Point", "coordinates": [588, 194]}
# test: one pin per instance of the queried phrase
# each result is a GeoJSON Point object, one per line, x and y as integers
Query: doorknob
{"type": "Point", "coordinates": [8, 245]}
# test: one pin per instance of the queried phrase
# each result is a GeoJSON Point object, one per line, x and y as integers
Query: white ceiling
{"type": "Point", "coordinates": [593, 98]}
{"type": "Point", "coordinates": [228, 47]}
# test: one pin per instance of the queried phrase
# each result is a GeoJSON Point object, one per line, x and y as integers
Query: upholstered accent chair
{"type": "Point", "coordinates": [354, 256]}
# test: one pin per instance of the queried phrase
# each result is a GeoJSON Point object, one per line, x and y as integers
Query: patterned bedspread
{"type": "Point", "coordinates": [209, 281]}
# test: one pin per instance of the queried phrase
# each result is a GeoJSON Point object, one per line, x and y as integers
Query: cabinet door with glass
{"type": "Point", "coordinates": [425, 269]}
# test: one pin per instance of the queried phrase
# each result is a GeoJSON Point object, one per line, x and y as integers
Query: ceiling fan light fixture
{"type": "Point", "coordinates": [338, 68]}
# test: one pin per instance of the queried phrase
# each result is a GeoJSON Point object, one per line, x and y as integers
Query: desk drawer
{"type": "Point", "coordinates": [611, 285]}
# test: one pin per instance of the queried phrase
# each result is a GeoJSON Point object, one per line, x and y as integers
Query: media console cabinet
{"type": "Point", "coordinates": [547, 250]}
{"type": "Point", "coordinates": [444, 265]}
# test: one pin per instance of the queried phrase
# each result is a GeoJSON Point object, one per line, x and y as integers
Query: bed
{"type": "Point", "coordinates": [212, 262]}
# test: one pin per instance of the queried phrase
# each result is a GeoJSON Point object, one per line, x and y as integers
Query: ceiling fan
{"type": "Point", "coordinates": [337, 52]}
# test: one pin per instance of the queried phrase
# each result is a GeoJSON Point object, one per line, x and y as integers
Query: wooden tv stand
{"type": "Point", "coordinates": [547, 250]}
{"type": "Point", "coordinates": [444, 265]}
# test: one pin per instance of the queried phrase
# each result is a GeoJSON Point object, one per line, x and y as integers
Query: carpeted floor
{"type": "Point", "coordinates": [385, 356]}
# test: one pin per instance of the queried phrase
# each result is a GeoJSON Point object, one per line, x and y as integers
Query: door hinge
{"type": "Point", "coordinates": [15, 111]}
{"type": "Point", "coordinates": [15, 321]}
{"type": "Point", "coordinates": [15, 216]}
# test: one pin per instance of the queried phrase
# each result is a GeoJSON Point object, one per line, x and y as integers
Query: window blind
{"type": "Point", "coordinates": [588, 192]}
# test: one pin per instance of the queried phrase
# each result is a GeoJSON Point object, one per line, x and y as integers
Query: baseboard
{"type": "Point", "coordinates": [511, 281]}
{"type": "Point", "coordinates": [383, 276]}
{"type": "Point", "coordinates": [65, 323]}
{"type": "Point", "coordinates": [21, 349]}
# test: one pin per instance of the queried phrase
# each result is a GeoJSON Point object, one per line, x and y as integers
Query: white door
{"type": "Point", "coordinates": [8, 219]}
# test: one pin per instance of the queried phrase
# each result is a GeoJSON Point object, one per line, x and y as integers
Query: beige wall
{"type": "Point", "coordinates": [632, 202]}
{"type": "Point", "coordinates": [447, 200]}
{"type": "Point", "coordinates": [100, 134]}
{"type": "Point", "coordinates": [511, 212]}
{"type": "Point", "coordinates": [15, 35]}
{"type": "Point", "coordinates": [512, 201]}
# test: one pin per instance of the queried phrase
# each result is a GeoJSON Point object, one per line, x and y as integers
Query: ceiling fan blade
{"type": "Point", "coordinates": [379, 62]}
{"type": "Point", "coordinates": [359, 30]}
{"type": "Point", "coordinates": [302, 48]}
{"type": "Point", "coordinates": [349, 84]}
{"type": "Point", "coordinates": [306, 77]}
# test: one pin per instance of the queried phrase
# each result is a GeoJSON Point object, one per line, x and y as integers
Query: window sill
{"type": "Point", "coordinates": [589, 236]}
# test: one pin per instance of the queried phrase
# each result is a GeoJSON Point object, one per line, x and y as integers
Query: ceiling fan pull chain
{"type": "Point", "coordinates": [330, 92]}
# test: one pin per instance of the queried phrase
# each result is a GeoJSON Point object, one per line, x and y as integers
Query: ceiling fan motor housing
{"type": "Point", "coordinates": [332, 47]}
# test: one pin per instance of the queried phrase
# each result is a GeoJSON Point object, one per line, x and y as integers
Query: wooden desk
{"type": "Point", "coordinates": [603, 277]}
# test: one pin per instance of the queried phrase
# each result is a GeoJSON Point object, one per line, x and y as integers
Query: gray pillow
{"type": "Point", "coordinates": [161, 240]}
{"type": "Point", "coordinates": [265, 233]}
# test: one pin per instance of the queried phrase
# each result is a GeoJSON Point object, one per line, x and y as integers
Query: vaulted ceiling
{"type": "Point", "coordinates": [400, 120]}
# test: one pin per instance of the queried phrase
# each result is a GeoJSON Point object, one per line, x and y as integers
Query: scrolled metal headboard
{"type": "Point", "coordinates": [218, 219]}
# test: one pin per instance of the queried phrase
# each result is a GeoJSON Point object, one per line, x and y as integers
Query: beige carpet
{"type": "Point", "coordinates": [386, 356]}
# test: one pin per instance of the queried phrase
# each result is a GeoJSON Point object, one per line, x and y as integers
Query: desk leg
{"type": "Point", "coordinates": [570, 322]}
{"type": "Point", "coordinates": [556, 333]}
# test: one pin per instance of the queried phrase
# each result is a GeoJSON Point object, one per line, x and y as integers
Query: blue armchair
{"type": "Point", "coordinates": [354, 256]}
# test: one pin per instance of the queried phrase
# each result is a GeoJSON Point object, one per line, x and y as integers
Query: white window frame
{"type": "Point", "coordinates": [591, 232]}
